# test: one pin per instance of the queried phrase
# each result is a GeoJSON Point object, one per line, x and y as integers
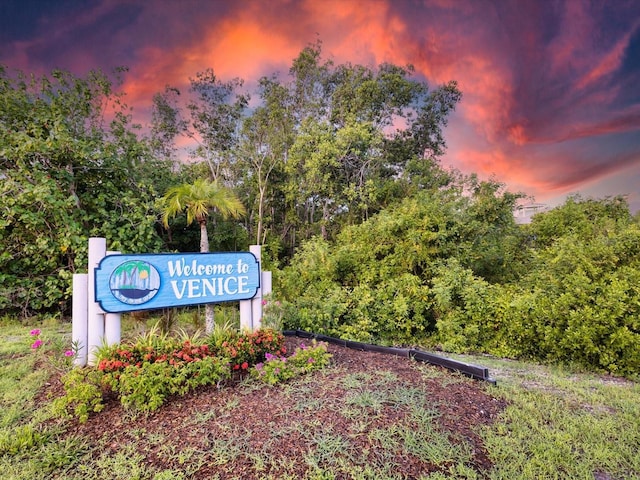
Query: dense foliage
{"type": "Point", "coordinates": [337, 169]}
{"type": "Point", "coordinates": [326, 147]}
{"type": "Point", "coordinates": [563, 289]}
{"type": "Point", "coordinates": [67, 174]}
{"type": "Point", "coordinates": [376, 281]}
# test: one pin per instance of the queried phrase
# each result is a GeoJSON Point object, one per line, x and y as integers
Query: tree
{"type": "Point", "coordinates": [326, 147]}
{"type": "Point", "coordinates": [199, 199]}
{"type": "Point", "coordinates": [361, 133]}
{"type": "Point", "coordinates": [216, 111]}
{"type": "Point", "coordinates": [266, 138]}
{"type": "Point", "coordinates": [166, 123]}
{"type": "Point", "coordinates": [71, 167]}
{"type": "Point", "coordinates": [212, 124]}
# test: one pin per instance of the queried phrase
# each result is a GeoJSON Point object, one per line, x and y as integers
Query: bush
{"type": "Point", "coordinates": [463, 306]}
{"type": "Point", "coordinates": [146, 372]}
{"type": "Point", "coordinates": [246, 349]}
{"type": "Point", "coordinates": [145, 387]}
{"type": "Point", "coordinates": [276, 369]}
{"type": "Point", "coordinates": [83, 394]}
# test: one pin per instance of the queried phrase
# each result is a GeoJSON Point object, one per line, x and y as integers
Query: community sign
{"type": "Point", "coordinates": [125, 283]}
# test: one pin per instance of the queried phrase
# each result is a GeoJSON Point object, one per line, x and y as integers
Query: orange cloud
{"type": "Point", "coordinates": [251, 42]}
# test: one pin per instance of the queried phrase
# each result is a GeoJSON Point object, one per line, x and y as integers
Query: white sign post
{"type": "Point", "coordinates": [256, 302]}
{"type": "Point", "coordinates": [112, 322]}
{"type": "Point", "coordinates": [79, 318]}
{"type": "Point", "coordinates": [95, 315]}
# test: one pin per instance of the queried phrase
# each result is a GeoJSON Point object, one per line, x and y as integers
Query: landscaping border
{"type": "Point", "coordinates": [473, 371]}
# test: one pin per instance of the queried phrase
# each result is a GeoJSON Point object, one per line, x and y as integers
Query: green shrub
{"type": "Point", "coordinates": [462, 305]}
{"type": "Point", "coordinates": [145, 387]}
{"type": "Point", "coordinates": [321, 314]}
{"type": "Point", "coordinates": [83, 394]}
{"type": "Point", "coordinates": [146, 372]}
{"type": "Point", "coordinates": [305, 359]}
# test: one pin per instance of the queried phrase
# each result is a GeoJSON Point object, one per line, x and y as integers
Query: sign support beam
{"type": "Point", "coordinates": [95, 315]}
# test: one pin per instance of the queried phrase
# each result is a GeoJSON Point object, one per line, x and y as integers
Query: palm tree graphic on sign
{"type": "Point", "coordinates": [134, 282]}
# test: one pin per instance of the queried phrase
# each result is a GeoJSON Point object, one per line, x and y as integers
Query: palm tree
{"type": "Point", "coordinates": [199, 199]}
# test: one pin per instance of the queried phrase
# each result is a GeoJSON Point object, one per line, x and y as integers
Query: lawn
{"type": "Point", "coordinates": [365, 416]}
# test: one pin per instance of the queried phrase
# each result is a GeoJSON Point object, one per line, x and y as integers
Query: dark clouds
{"type": "Point", "coordinates": [551, 101]}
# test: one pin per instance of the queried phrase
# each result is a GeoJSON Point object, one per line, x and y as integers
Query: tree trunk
{"type": "Point", "coordinates": [261, 191]}
{"type": "Point", "coordinates": [209, 320]}
{"type": "Point", "coordinates": [204, 236]}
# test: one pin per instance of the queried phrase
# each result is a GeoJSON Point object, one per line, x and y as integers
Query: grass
{"type": "Point", "coordinates": [563, 424]}
{"type": "Point", "coordinates": [559, 424]}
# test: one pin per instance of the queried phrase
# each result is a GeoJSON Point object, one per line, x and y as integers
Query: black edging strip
{"type": "Point", "coordinates": [474, 371]}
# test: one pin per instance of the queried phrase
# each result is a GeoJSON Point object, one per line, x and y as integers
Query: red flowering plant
{"type": "Point", "coordinates": [248, 348]}
{"type": "Point", "coordinates": [146, 372]}
{"type": "Point", "coordinates": [187, 353]}
{"type": "Point", "coordinates": [117, 358]}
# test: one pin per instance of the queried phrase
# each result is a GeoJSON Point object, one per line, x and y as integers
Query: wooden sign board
{"type": "Point", "coordinates": [125, 283]}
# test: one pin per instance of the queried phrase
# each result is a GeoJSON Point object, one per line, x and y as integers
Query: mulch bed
{"type": "Point", "coordinates": [463, 405]}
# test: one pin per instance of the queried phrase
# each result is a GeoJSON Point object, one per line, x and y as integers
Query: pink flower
{"type": "Point", "coordinates": [36, 344]}
{"type": "Point", "coordinates": [35, 332]}
{"type": "Point", "coordinates": [69, 353]}
{"type": "Point", "coordinates": [264, 302]}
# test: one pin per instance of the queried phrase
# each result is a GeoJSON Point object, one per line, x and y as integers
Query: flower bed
{"type": "Point", "coordinates": [145, 373]}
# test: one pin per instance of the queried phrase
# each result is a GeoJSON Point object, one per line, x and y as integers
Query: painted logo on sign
{"type": "Point", "coordinates": [134, 282]}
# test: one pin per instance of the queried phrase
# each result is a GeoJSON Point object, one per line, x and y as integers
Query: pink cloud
{"type": "Point", "coordinates": [607, 64]}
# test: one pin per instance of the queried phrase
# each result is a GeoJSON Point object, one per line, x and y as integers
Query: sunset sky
{"type": "Point", "coordinates": [551, 89]}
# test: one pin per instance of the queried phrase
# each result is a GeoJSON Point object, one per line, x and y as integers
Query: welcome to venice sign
{"type": "Point", "coordinates": [125, 283]}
